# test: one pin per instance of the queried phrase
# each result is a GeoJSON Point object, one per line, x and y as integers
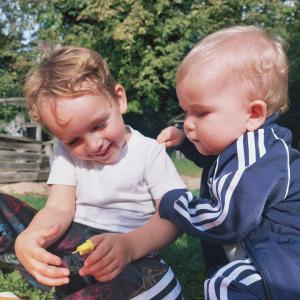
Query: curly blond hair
{"type": "Point", "coordinates": [69, 71]}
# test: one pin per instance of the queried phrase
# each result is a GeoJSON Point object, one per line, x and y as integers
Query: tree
{"type": "Point", "coordinates": [144, 41]}
{"type": "Point", "coordinates": [13, 57]}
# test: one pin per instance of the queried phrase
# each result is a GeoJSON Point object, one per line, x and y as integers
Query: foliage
{"type": "Point", "coordinates": [7, 112]}
{"type": "Point", "coordinates": [15, 283]}
{"type": "Point", "coordinates": [14, 57]}
{"type": "Point", "coordinates": [144, 41]}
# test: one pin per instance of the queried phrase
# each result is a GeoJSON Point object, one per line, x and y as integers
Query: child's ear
{"type": "Point", "coordinates": [257, 110]}
{"type": "Point", "coordinates": [121, 98]}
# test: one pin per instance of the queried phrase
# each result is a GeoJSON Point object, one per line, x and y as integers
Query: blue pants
{"type": "Point", "coordinates": [238, 280]}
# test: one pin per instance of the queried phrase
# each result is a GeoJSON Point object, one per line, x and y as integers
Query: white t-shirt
{"type": "Point", "coordinates": [118, 197]}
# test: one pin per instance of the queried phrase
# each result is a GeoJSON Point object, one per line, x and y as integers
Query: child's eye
{"type": "Point", "coordinates": [201, 114]}
{"type": "Point", "coordinates": [72, 142]}
{"type": "Point", "coordinates": [100, 126]}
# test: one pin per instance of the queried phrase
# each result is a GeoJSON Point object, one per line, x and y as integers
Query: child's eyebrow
{"type": "Point", "coordinates": [201, 107]}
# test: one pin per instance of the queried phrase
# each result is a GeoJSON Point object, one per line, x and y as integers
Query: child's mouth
{"type": "Point", "coordinates": [103, 153]}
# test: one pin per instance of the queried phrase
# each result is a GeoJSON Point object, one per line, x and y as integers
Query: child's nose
{"type": "Point", "coordinates": [93, 143]}
{"type": "Point", "coordinates": [189, 124]}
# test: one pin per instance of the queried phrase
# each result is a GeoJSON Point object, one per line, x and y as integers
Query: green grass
{"type": "Point", "coordinates": [14, 282]}
{"type": "Point", "coordinates": [185, 258]}
{"type": "Point", "coordinates": [10, 279]}
{"type": "Point", "coordinates": [185, 166]}
{"type": "Point", "coordinates": [184, 255]}
{"type": "Point", "coordinates": [34, 200]}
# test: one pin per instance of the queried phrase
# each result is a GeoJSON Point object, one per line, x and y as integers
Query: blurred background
{"type": "Point", "coordinates": [142, 41]}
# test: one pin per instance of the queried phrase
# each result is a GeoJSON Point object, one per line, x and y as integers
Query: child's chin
{"type": "Point", "coordinates": [206, 152]}
{"type": "Point", "coordinates": [202, 151]}
{"type": "Point", "coordinates": [109, 161]}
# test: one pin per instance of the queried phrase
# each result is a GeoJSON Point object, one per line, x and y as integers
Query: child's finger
{"type": "Point", "coordinates": [99, 266]}
{"type": "Point", "coordinates": [168, 144]}
{"type": "Point", "coordinates": [47, 257]}
{"type": "Point", "coordinates": [52, 271]}
{"type": "Point", "coordinates": [159, 138]}
{"type": "Point", "coordinates": [108, 268]}
{"type": "Point", "coordinates": [49, 275]}
{"type": "Point", "coordinates": [50, 281]}
{"type": "Point", "coordinates": [162, 137]}
{"type": "Point", "coordinates": [102, 249]}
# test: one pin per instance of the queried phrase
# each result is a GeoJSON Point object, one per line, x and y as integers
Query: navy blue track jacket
{"type": "Point", "coordinates": [252, 195]}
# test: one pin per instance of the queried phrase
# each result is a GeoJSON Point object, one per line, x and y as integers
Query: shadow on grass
{"type": "Point", "coordinates": [185, 258]}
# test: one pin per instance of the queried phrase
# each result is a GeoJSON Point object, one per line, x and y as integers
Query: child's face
{"type": "Point", "coordinates": [216, 110]}
{"type": "Point", "coordinates": [90, 125]}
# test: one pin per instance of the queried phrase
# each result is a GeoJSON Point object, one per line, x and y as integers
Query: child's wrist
{"type": "Point", "coordinates": [130, 247]}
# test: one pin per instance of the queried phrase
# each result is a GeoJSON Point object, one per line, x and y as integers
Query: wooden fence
{"type": "Point", "coordinates": [22, 159]}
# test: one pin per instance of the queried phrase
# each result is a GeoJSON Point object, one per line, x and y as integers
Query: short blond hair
{"type": "Point", "coordinates": [250, 55]}
{"type": "Point", "coordinates": [69, 71]}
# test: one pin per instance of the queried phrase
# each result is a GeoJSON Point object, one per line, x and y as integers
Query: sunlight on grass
{"type": "Point", "coordinates": [34, 200]}
{"type": "Point", "coordinates": [16, 284]}
{"type": "Point", "coordinates": [185, 166]}
{"type": "Point", "coordinates": [185, 258]}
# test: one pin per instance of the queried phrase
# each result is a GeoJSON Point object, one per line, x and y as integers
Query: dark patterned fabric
{"type": "Point", "coordinates": [147, 278]}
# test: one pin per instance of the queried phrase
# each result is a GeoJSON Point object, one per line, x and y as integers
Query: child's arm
{"type": "Point", "coordinates": [244, 185]}
{"type": "Point", "coordinates": [114, 251]}
{"type": "Point", "coordinates": [47, 226]}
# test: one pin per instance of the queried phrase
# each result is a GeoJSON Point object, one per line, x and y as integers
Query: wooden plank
{"type": "Point", "coordinates": [177, 119]}
{"type": "Point", "coordinates": [17, 101]}
{"type": "Point", "coordinates": [34, 147]}
{"type": "Point", "coordinates": [21, 156]}
{"type": "Point", "coordinates": [43, 175]}
{"type": "Point", "coordinates": [9, 177]}
{"type": "Point", "coordinates": [7, 137]}
{"type": "Point", "coordinates": [22, 165]}
{"type": "Point", "coordinates": [19, 166]}
{"type": "Point", "coordinates": [22, 159]}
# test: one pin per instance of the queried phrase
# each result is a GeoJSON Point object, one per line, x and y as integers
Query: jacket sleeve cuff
{"type": "Point", "coordinates": [166, 207]}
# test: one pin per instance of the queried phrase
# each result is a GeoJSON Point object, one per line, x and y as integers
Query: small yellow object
{"type": "Point", "coordinates": [84, 248]}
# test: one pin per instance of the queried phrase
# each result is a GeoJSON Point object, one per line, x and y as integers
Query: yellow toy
{"type": "Point", "coordinates": [84, 248]}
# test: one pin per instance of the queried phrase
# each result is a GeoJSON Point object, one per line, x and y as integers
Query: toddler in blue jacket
{"type": "Point", "coordinates": [232, 86]}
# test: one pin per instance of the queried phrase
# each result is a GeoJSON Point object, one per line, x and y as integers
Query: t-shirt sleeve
{"type": "Point", "coordinates": [160, 173]}
{"type": "Point", "coordinates": [63, 167]}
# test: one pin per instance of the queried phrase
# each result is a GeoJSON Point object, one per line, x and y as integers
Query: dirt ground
{"type": "Point", "coordinates": [42, 188]}
{"type": "Point", "coordinates": [24, 187]}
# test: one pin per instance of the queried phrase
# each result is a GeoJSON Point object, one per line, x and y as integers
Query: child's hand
{"type": "Point", "coordinates": [171, 136]}
{"type": "Point", "coordinates": [44, 266]}
{"type": "Point", "coordinates": [111, 255]}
